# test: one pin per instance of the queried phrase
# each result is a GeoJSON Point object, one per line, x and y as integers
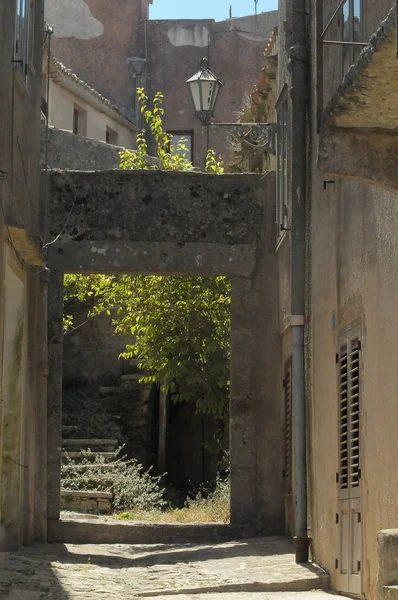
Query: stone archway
{"type": "Point", "coordinates": [183, 224]}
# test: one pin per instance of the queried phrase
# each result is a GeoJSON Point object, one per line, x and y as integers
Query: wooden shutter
{"type": "Point", "coordinates": [349, 412]}
{"type": "Point", "coordinates": [343, 417]}
{"type": "Point", "coordinates": [354, 396]}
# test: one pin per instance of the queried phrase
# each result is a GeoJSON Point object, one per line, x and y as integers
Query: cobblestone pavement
{"type": "Point", "coordinates": [243, 570]}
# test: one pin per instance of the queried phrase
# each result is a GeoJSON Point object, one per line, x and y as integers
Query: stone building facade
{"type": "Point", "coordinates": [23, 285]}
{"type": "Point", "coordinates": [116, 49]}
{"type": "Point", "coordinates": [76, 107]}
{"type": "Point", "coordinates": [337, 249]}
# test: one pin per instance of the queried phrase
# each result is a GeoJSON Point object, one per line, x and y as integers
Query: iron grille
{"type": "Point", "coordinates": [288, 424]}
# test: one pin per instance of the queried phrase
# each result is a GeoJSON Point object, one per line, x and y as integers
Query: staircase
{"type": "Point", "coordinates": [94, 460]}
{"type": "Point", "coordinates": [92, 433]}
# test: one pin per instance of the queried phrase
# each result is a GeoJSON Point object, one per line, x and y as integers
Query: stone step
{"type": "Point", "coordinates": [131, 377]}
{"type": "Point", "coordinates": [104, 445]}
{"type": "Point", "coordinates": [109, 391]}
{"type": "Point", "coordinates": [69, 428]}
{"type": "Point", "coordinates": [88, 466]}
{"type": "Point", "coordinates": [390, 592]}
{"type": "Point", "coordinates": [87, 494]}
{"type": "Point", "coordinates": [89, 501]}
{"type": "Point", "coordinates": [89, 481]}
{"type": "Point", "coordinates": [82, 455]}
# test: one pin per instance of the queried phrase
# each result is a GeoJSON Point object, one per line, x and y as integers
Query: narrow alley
{"type": "Point", "coordinates": [254, 569]}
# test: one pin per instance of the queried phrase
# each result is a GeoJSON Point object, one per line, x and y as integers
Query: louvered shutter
{"type": "Point", "coordinates": [343, 418]}
{"type": "Point", "coordinates": [354, 396]}
{"type": "Point", "coordinates": [349, 414]}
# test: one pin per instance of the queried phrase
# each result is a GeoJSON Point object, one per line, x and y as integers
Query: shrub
{"type": "Point", "coordinates": [132, 487]}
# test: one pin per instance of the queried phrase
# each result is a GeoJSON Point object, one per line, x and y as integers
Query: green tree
{"type": "Point", "coordinates": [180, 326]}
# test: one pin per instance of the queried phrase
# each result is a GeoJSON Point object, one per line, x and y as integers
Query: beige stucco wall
{"type": "Point", "coordinates": [352, 274]}
{"type": "Point", "coordinates": [62, 102]}
{"type": "Point", "coordinates": [355, 276]}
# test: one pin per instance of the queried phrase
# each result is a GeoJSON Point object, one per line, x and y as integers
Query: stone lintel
{"type": "Point", "coordinates": [367, 155]}
{"type": "Point", "coordinates": [153, 258]}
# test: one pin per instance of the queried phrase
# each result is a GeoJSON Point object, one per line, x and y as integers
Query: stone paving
{"type": "Point", "coordinates": [244, 570]}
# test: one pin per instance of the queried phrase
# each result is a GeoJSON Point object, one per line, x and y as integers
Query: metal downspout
{"type": "Point", "coordinates": [298, 65]}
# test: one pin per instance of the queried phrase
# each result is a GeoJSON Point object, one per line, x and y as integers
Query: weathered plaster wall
{"type": "Point", "coordinates": [14, 365]}
{"type": "Point", "coordinates": [95, 40]}
{"type": "Point", "coordinates": [355, 276]}
{"type": "Point", "coordinates": [62, 103]}
{"type": "Point", "coordinates": [354, 245]}
{"type": "Point", "coordinates": [22, 368]}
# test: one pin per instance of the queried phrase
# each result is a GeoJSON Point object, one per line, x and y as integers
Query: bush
{"type": "Point", "coordinates": [132, 487]}
{"type": "Point", "coordinates": [207, 506]}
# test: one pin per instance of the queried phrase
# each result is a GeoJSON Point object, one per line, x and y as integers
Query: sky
{"type": "Point", "coordinates": [207, 9]}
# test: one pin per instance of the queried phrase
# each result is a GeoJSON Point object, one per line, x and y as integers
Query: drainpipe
{"type": "Point", "coordinates": [298, 66]}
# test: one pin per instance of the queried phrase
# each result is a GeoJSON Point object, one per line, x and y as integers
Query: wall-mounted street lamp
{"type": "Point", "coordinates": [205, 87]}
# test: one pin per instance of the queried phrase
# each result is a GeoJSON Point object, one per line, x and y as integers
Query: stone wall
{"type": "Point", "coordinates": [146, 221]}
{"type": "Point", "coordinates": [65, 150]}
{"type": "Point", "coordinates": [189, 224]}
{"type": "Point", "coordinates": [235, 50]}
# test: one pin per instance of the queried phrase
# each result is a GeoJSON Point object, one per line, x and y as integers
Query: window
{"type": "Point", "coordinates": [350, 30]}
{"type": "Point", "coordinates": [112, 136]}
{"type": "Point", "coordinates": [281, 144]}
{"type": "Point", "coordinates": [23, 41]}
{"type": "Point", "coordinates": [185, 137]}
{"type": "Point", "coordinates": [79, 120]}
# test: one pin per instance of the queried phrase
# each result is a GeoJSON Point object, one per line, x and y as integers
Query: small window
{"type": "Point", "coordinates": [23, 37]}
{"type": "Point", "coordinates": [350, 30]}
{"type": "Point", "coordinates": [185, 138]}
{"type": "Point", "coordinates": [112, 136]}
{"type": "Point", "coordinates": [79, 121]}
{"type": "Point", "coordinates": [281, 144]}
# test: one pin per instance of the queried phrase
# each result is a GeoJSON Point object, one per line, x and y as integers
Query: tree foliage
{"type": "Point", "coordinates": [168, 157]}
{"type": "Point", "coordinates": [180, 328]}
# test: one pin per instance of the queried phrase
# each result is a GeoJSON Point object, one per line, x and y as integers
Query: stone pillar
{"type": "Point", "coordinates": [387, 556]}
{"type": "Point", "coordinates": [54, 394]}
{"type": "Point", "coordinates": [40, 506]}
{"type": "Point", "coordinates": [256, 426]}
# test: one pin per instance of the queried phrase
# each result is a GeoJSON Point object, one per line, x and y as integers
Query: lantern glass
{"type": "Point", "coordinates": [204, 87]}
